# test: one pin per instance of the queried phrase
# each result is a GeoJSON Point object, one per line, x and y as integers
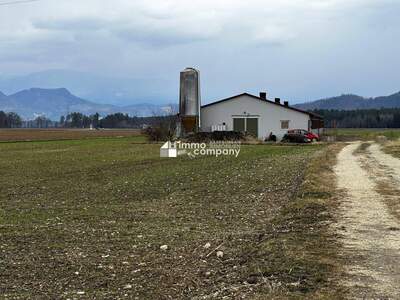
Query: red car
{"type": "Point", "coordinates": [303, 135]}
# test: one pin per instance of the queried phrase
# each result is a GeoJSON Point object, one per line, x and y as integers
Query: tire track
{"type": "Point", "coordinates": [371, 248]}
{"type": "Point", "coordinates": [385, 170]}
{"type": "Point", "coordinates": [389, 162]}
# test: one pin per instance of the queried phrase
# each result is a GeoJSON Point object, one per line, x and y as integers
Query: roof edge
{"type": "Point", "coordinates": [264, 100]}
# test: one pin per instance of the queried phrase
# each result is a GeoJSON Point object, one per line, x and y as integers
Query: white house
{"type": "Point", "coordinates": [256, 115]}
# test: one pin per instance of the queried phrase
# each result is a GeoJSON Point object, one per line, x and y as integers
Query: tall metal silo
{"type": "Point", "coordinates": [189, 101]}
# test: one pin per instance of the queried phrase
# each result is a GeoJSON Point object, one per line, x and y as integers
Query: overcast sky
{"type": "Point", "coordinates": [294, 49]}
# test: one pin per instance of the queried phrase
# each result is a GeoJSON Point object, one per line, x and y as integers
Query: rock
{"type": "Point", "coordinates": [207, 246]}
{"type": "Point", "coordinates": [128, 286]}
{"type": "Point", "coordinates": [253, 279]}
{"type": "Point", "coordinates": [220, 254]}
{"type": "Point", "coordinates": [164, 247]}
{"type": "Point", "coordinates": [208, 274]}
{"type": "Point", "coordinates": [296, 284]}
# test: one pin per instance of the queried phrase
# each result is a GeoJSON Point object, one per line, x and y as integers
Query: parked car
{"type": "Point", "coordinates": [300, 136]}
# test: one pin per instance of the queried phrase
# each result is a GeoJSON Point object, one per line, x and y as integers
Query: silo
{"type": "Point", "coordinates": [189, 100]}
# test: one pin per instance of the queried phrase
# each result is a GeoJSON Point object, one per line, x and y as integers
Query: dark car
{"type": "Point", "coordinates": [300, 136]}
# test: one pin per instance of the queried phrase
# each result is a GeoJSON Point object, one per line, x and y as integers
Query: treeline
{"type": "Point", "coordinates": [79, 120]}
{"type": "Point", "coordinates": [10, 120]}
{"type": "Point", "coordinates": [369, 118]}
{"type": "Point", "coordinates": [118, 120]}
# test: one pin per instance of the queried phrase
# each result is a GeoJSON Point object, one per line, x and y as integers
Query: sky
{"type": "Point", "coordinates": [299, 50]}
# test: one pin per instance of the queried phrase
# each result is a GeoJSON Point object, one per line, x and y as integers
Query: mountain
{"type": "Point", "coordinates": [103, 89]}
{"type": "Point", "coordinates": [53, 103]}
{"type": "Point", "coordinates": [2, 97]}
{"type": "Point", "coordinates": [353, 102]}
{"type": "Point", "coordinates": [50, 102]}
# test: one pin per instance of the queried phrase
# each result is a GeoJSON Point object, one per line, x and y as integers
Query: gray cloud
{"type": "Point", "coordinates": [76, 24]}
{"type": "Point", "coordinates": [156, 35]}
{"type": "Point", "coordinates": [296, 49]}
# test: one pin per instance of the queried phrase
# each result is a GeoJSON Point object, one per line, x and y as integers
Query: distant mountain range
{"type": "Point", "coordinates": [104, 89]}
{"type": "Point", "coordinates": [353, 102]}
{"type": "Point", "coordinates": [53, 103]}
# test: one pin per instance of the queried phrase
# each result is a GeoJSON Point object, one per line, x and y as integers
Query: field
{"type": "Point", "coordinates": [349, 134]}
{"type": "Point", "coordinates": [62, 134]}
{"type": "Point", "coordinates": [87, 218]}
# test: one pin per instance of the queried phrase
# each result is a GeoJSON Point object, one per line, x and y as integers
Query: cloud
{"type": "Point", "coordinates": [74, 24]}
{"type": "Point", "coordinates": [159, 32]}
{"type": "Point", "coordinates": [234, 42]}
{"type": "Point", "coordinates": [175, 22]}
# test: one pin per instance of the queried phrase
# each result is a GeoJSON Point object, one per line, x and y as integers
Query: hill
{"type": "Point", "coordinates": [49, 102]}
{"type": "Point", "coordinates": [353, 102]}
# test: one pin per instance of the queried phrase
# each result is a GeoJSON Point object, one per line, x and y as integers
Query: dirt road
{"type": "Point", "coordinates": [368, 224]}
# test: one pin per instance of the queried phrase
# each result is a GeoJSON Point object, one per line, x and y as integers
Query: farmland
{"type": "Point", "coordinates": [87, 218]}
{"type": "Point", "coordinates": [351, 134]}
{"type": "Point", "coordinates": [62, 134]}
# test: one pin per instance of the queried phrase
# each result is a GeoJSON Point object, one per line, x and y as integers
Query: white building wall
{"type": "Point", "coordinates": [269, 114]}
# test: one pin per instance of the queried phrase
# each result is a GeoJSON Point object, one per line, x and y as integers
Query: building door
{"type": "Point", "coordinates": [252, 126]}
{"type": "Point", "coordinates": [249, 125]}
{"type": "Point", "coordinates": [239, 124]}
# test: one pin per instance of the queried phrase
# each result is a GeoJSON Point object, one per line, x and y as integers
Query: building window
{"type": "Point", "coordinates": [285, 124]}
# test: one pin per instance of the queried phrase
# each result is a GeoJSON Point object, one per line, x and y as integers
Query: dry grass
{"type": "Point", "coordinates": [392, 190]}
{"type": "Point", "coordinates": [392, 148]}
{"type": "Point", "coordinates": [387, 186]}
{"type": "Point", "coordinates": [308, 222]}
{"type": "Point", "coordinates": [362, 148]}
{"type": "Point", "coordinates": [390, 194]}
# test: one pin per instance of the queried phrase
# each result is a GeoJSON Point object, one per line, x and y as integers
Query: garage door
{"type": "Point", "coordinates": [252, 126]}
{"type": "Point", "coordinates": [239, 124]}
{"type": "Point", "coordinates": [249, 125]}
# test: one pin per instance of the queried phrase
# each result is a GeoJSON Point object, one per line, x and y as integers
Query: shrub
{"type": "Point", "coordinates": [162, 130]}
{"type": "Point", "coordinates": [216, 136]}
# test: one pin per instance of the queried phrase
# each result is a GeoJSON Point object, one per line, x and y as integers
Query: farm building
{"type": "Point", "coordinates": [256, 115]}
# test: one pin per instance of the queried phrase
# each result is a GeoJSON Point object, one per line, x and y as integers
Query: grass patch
{"type": "Point", "coordinates": [14, 135]}
{"type": "Point", "coordinates": [367, 134]}
{"type": "Point", "coordinates": [392, 148]}
{"type": "Point", "coordinates": [362, 148]}
{"type": "Point", "coordinates": [304, 249]}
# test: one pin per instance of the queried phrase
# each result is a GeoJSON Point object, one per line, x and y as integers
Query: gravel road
{"type": "Point", "coordinates": [370, 230]}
